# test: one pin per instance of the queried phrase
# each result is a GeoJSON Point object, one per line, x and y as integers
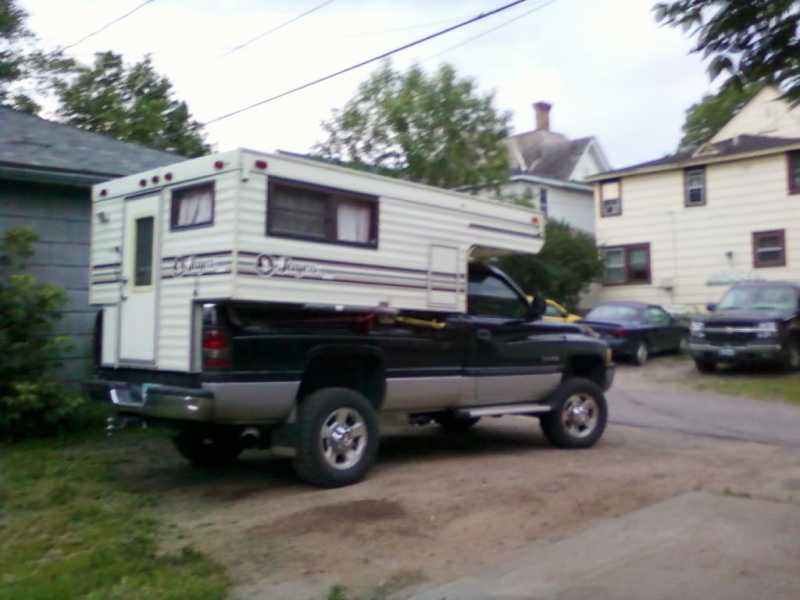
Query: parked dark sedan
{"type": "Point", "coordinates": [636, 330]}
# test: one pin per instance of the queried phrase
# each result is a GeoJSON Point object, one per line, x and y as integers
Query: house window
{"type": "Point", "coordinates": [611, 198]}
{"type": "Point", "coordinates": [627, 264]}
{"type": "Point", "coordinates": [192, 206]}
{"type": "Point", "coordinates": [694, 186]}
{"type": "Point", "coordinates": [769, 248]}
{"type": "Point", "coordinates": [316, 213]}
{"type": "Point", "coordinates": [543, 200]}
{"type": "Point", "coordinates": [793, 165]}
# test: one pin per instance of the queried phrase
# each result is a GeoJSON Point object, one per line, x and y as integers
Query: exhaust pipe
{"type": "Point", "coordinates": [250, 437]}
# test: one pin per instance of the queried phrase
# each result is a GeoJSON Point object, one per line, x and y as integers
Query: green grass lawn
{"type": "Point", "coordinates": [70, 528]}
{"type": "Point", "coordinates": [767, 386]}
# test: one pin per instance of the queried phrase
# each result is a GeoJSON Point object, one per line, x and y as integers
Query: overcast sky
{"type": "Point", "coordinates": [605, 65]}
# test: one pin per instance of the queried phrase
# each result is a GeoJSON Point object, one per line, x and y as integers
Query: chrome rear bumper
{"type": "Point", "coordinates": [154, 401]}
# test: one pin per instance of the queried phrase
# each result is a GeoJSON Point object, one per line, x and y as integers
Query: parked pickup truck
{"type": "Point", "coordinates": [755, 322]}
{"type": "Point", "coordinates": [310, 382]}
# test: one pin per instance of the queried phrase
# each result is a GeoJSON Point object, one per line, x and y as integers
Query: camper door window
{"type": "Point", "coordinates": [311, 212]}
{"type": "Point", "coordinates": [192, 206]}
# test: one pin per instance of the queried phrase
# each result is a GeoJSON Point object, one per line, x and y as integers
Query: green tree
{"type": "Point", "coordinates": [14, 60]}
{"type": "Point", "coordinates": [565, 267]}
{"type": "Point", "coordinates": [753, 41]}
{"type": "Point", "coordinates": [436, 129]}
{"type": "Point", "coordinates": [128, 102]}
{"type": "Point", "coordinates": [706, 117]}
{"type": "Point", "coordinates": [31, 402]}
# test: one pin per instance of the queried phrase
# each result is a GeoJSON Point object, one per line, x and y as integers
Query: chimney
{"type": "Point", "coordinates": [542, 110]}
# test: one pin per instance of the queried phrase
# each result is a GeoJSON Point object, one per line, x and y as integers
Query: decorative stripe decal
{"type": "Point", "coordinates": [535, 236]}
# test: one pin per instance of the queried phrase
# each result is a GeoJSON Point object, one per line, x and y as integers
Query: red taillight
{"type": "Point", "coordinates": [214, 339]}
{"type": "Point", "coordinates": [619, 333]}
{"type": "Point", "coordinates": [261, 164]}
{"type": "Point", "coordinates": [216, 349]}
{"type": "Point", "coordinates": [219, 164]}
{"type": "Point", "coordinates": [168, 176]}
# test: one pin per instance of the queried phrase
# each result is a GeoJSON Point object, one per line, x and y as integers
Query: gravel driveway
{"type": "Point", "coordinates": [440, 507]}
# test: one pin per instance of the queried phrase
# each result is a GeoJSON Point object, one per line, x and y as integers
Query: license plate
{"type": "Point", "coordinates": [124, 397]}
{"type": "Point", "coordinates": [727, 352]}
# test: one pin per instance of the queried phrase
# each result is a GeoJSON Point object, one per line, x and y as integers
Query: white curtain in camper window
{"type": "Point", "coordinates": [353, 221]}
{"type": "Point", "coordinates": [196, 207]}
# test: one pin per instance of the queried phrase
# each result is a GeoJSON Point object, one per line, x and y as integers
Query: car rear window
{"type": "Point", "coordinates": [614, 312]}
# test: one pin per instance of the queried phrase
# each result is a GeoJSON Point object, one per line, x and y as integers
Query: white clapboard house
{"type": "Point", "coordinates": [250, 226]}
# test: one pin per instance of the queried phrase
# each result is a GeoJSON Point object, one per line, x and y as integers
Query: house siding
{"type": "Point", "coordinates": [688, 245]}
{"type": "Point", "coordinates": [571, 206]}
{"type": "Point", "coordinates": [60, 215]}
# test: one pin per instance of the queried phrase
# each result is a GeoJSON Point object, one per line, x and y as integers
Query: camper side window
{"type": "Point", "coordinates": [192, 206]}
{"type": "Point", "coordinates": [310, 212]}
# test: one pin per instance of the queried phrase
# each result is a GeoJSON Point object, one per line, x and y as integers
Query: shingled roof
{"type": "Point", "coordinates": [738, 145]}
{"type": "Point", "coordinates": [35, 144]}
{"type": "Point", "coordinates": [548, 156]}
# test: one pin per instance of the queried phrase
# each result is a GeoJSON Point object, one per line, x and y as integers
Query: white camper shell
{"type": "Point", "coordinates": [250, 226]}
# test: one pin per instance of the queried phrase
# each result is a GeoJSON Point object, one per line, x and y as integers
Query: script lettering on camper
{"type": "Point", "coordinates": [285, 266]}
{"type": "Point", "coordinates": [198, 265]}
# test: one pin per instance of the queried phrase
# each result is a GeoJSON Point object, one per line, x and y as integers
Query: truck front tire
{"type": "Point", "coordinates": [210, 449]}
{"type": "Point", "coordinates": [337, 437]}
{"type": "Point", "coordinates": [579, 415]}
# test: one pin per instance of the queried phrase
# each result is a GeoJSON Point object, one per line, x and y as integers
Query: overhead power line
{"type": "Point", "coordinates": [492, 30]}
{"type": "Point", "coordinates": [109, 24]}
{"type": "Point", "coordinates": [276, 28]}
{"type": "Point", "coordinates": [365, 62]}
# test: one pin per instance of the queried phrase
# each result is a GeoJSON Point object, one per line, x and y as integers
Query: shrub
{"type": "Point", "coordinates": [31, 401]}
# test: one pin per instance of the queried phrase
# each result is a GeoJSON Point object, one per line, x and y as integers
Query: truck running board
{"type": "Point", "coordinates": [505, 409]}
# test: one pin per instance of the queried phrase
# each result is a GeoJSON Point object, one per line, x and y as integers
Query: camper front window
{"type": "Point", "coordinates": [192, 206]}
{"type": "Point", "coordinates": [316, 213]}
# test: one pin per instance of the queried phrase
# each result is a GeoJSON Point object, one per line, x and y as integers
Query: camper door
{"type": "Point", "coordinates": [137, 324]}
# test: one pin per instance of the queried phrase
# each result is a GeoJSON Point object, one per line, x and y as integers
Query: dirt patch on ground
{"type": "Point", "coordinates": [344, 517]}
{"type": "Point", "coordinates": [435, 506]}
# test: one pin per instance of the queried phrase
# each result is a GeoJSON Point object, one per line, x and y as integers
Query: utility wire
{"type": "Point", "coordinates": [276, 28]}
{"type": "Point", "coordinates": [488, 31]}
{"type": "Point", "coordinates": [107, 25]}
{"type": "Point", "coordinates": [365, 62]}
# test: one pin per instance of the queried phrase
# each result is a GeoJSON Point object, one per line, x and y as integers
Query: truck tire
{"type": "Point", "coordinates": [209, 449]}
{"type": "Point", "coordinates": [337, 437]}
{"type": "Point", "coordinates": [452, 423]}
{"type": "Point", "coordinates": [705, 366]}
{"type": "Point", "coordinates": [579, 415]}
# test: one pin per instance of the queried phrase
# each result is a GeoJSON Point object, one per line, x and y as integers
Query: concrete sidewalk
{"type": "Point", "coordinates": [696, 545]}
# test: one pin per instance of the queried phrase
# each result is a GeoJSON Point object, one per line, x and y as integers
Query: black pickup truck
{"type": "Point", "coordinates": [310, 381]}
{"type": "Point", "coordinates": [755, 322]}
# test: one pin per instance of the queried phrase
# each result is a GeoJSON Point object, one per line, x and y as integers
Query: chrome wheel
{"type": "Point", "coordinates": [793, 358]}
{"type": "Point", "coordinates": [343, 438]}
{"type": "Point", "coordinates": [580, 415]}
{"type": "Point", "coordinates": [641, 353]}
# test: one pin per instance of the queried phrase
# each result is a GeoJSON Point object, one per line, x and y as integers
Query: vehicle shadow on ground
{"type": "Point", "coordinates": [160, 470]}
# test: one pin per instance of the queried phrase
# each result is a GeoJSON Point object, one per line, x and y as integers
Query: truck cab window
{"type": "Point", "coordinates": [490, 296]}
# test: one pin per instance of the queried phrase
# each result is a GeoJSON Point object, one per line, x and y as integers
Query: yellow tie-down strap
{"type": "Point", "coordinates": [420, 322]}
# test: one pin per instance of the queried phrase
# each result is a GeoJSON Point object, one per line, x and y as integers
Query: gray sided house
{"type": "Point", "coordinates": [46, 170]}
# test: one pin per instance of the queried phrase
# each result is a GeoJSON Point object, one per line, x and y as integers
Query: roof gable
{"type": "Point", "coordinates": [767, 114]}
{"type": "Point", "coordinates": [32, 142]}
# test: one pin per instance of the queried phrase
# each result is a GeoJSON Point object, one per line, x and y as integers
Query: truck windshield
{"type": "Point", "coordinates": [767, 297]}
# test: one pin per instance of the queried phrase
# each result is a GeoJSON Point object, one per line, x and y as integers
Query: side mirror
{"type": "Point", "coordinates": [711, 307]}
{"type": "Point", "coordinates": [537, 307]}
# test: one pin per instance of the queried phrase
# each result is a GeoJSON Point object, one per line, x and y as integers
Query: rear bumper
{"type": "Point", "coordinates": [734, 354]}
{"type": "Point", "coordinates": [155, 401]}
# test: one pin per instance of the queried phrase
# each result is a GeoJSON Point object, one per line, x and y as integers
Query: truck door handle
{"type": "Point", "coordinates": [484, 334]}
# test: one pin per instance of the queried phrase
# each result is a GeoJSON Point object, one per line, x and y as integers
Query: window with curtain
{"type": "Point", "coordinates": [192, 206]}
{"type": "Point", "coordinates": [316, 213]}
{"type": "Point", "coordinates": [627, 264]}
